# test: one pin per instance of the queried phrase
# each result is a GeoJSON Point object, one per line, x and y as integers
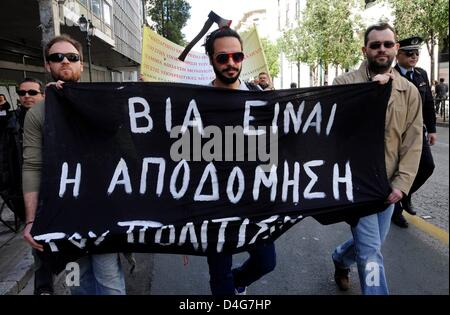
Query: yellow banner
{"type": "Point", "coordinates": [255, 60]}
{"type": "Point", "coordinates": [160, 60]}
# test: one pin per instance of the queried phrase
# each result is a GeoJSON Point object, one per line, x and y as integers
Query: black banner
{"type": "Point", "coordinates": [115, 180]}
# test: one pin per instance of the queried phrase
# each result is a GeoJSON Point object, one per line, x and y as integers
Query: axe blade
{"type": "Point", "coordinates": [221, 22]}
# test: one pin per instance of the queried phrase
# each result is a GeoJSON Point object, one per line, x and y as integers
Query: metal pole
{"type": "Point", "coordinates": [444, 106]}
{"type": "Point", "coordinates": [88, 42]}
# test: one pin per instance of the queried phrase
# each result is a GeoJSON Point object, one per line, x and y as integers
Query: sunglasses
{"type": "Point", "coordinates": [223, 58]}
{"type": "Point", "coordinates": [58, 57]}
{"type": "Point", "coordinates": [410, 53]}
{"type": "Point", "coordinates": [30, 92]}
{"type": "Point", "coordinates": [386, 44]}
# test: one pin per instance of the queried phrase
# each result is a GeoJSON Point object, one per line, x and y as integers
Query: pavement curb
{"type": "Point", "coordinates": [428, 228]}
{"type": "Point", "coordinates": [442, 124]}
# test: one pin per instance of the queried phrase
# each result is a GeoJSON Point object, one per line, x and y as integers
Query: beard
{"type": "Point", "coordinates": [264, 85]}
{"type": "Point", "coordinates": [224, 79]}
{"type": "Point", "coordinates": [72, 76]}
{"type": "Point", "coordinates": [380, 67]}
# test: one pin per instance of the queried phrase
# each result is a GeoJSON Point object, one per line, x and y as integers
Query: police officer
{"type": "Point", "coordinates": [407, 58]}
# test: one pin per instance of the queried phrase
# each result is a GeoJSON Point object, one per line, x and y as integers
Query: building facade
{"type": "Point", "coordinates": [271, 22]}
{"type": "Point", "coordinates": [26, 25]}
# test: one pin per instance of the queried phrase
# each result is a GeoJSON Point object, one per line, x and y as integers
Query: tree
{"type": "Point", "coordinates": [344, 43]}
{"type": "Point", "coordinates": [316, 19]}
{"type": "Point", "coordinates": [326, 35]}
{"type": "Point", "coordinates": [271, 52]}
{"type": "Point", "coordinates": [297, 44]}
{"type": "Point", "coordinates": [169, 17]}
{"type": "Point", "coordinates": [425, 18]}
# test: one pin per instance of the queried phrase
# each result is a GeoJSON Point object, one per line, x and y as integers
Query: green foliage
{"type": "Point", "coordinates": [169, 17]}
{"type": "Point", "coordinates": [425, 18]}
{"type": "Point", "coordinates": [343, 42]}
{"type": "Point", "coordinates": [298, 46]}
{"type": "Point", "coordinates": [326, 34]}
{"type": "Point", "coordinates": [271, 52]}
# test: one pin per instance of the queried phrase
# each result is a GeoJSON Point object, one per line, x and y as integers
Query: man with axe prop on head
{"type": "Point", "coordinates": [225, 51]}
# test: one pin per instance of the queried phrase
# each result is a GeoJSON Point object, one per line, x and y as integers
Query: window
{"type": "Point", "coordinates": [107, 13]}
{"type": "Point", "coordinates": [83, 2]}
{"type": "Point", "coordinates": [96, 7]}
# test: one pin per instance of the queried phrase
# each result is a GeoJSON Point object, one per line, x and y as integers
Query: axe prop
{"type": "Point", "coordinates": [212, 18]}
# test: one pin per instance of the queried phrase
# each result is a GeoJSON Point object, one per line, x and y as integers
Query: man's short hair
{"type": "Point", "coordinates": [41, 85]}
{"type": "Point", "coordinates": [64, 38]}
{"type": "Point", "coordinates": [441, 80]}
{"type": "Point", "coordinates": [378, 27]}
{"type": "Point", "coordinates": [219, 33]}
{"type": "Point", "coordinates": [263, 73]}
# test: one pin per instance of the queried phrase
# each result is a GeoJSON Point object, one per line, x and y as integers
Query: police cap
{"type": "Point", "coordinates": [410, 43]}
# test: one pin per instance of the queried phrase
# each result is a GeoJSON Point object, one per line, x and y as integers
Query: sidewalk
{"type": "Point", "coordinates": [440, 121]}
{"type": "Point", "coordinates": [16, 266]}
{"type": "Point", "coordinates": [16, 261]}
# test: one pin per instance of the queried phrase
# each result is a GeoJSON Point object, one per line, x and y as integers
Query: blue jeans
{"type": "Point", "coordinates": [223, 280]}
{"type": "Point", "coordinates": [365, 249]}
{"type": "Point", "coordinates": [100, 274]}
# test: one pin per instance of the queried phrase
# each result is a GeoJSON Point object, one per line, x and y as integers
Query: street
{"type": "Point", "coordinates": [304, 265]}
{"type": "Point", "coordinates": [432, 198]}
